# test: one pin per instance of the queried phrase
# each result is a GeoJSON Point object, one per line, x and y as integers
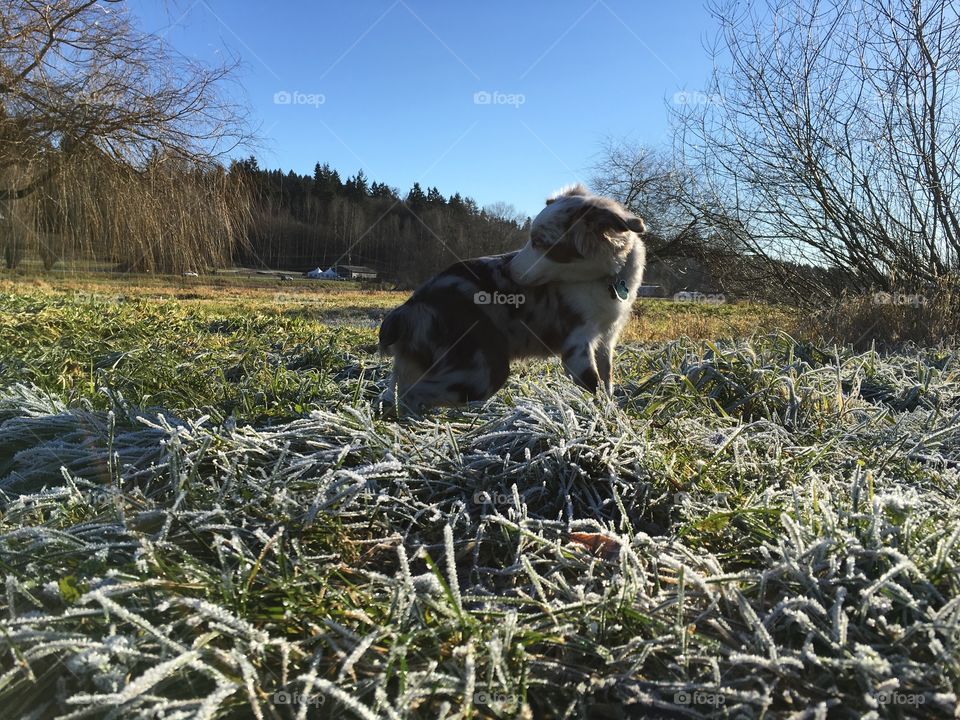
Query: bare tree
{"type": "Point", "coordinates": [688, 248]}
{"type": "Point", "coordinates": [647, 181]}
{"type": "Point", "coordinates": [829, 136]}
{"type": "Point", "coordinates": [505, 212]}
{"type": "Point", "coordinates": [642, 178]}
{"type": "Point", "coordinates": [81, 90]}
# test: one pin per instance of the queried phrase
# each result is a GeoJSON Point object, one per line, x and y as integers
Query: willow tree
{"type": "Point", "coordinates": [110, 142]}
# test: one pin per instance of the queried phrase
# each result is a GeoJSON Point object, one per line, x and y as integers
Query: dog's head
{"type": "Point", "coordinates": [577, 237]}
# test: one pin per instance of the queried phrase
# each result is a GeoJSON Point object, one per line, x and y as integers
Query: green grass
{"type": "Point", "coordinates": [186, 358]}
{"type": "Point", "coordinates": [202, 509]}
{"type": "Point", "coordinates": [246, 347]}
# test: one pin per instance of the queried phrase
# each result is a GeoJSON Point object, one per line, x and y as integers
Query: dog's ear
{"type": "Point", "coordinates": [596, 222]}
{"type": "Point", "coordinates": [607, 221]}
{"type": "Point", "coordinates": [636, 224]}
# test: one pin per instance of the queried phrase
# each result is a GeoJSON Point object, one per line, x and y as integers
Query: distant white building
{"type": "Point", "coordinates": [356, 272]}
{"type": "Point", "coordinates": [328, 274]}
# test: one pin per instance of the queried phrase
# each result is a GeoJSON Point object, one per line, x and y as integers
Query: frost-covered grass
{"type": "Point", "coordinates": [754, 528]}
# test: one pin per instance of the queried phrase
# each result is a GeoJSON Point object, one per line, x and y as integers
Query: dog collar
{"type": "Point", "coordinates": [619, 290]}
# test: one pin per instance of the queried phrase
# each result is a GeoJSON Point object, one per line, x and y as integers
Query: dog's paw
{"type": "Point", "coordinates": [385, 405]}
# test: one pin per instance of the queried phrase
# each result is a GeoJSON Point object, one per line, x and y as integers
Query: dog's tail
{"type": "Point", "coordinates": [407, 325]}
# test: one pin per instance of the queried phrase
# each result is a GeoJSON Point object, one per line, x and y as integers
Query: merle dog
{"type": "Point", "coordinates": [567, 292]}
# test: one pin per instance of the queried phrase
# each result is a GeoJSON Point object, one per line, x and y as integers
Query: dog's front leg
{"type": "Point", "coordinates": [604, 355]}
{"type": "Point", "coordinates": [387, 401]}
{"type": "Point", "coordinates": [579, 362]}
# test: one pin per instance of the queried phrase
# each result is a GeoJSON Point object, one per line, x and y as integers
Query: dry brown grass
{"type": "Point", "coordinates": [215, 288]}
{"type": "Point", "coordinates": [858, 321]}
{"type": "Point", "coordinates": [888, 320]}
{"type": "Point", "coordinates": [656, 320]}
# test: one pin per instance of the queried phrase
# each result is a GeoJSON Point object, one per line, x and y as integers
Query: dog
{"type": "Point", "coordinates": [567, 292]}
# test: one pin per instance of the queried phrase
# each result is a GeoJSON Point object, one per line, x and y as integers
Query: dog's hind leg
{"type": "Point", "coordinates": [472, 371]}
{"type": "Point", "coordinates": [449, 386]}
{"type": "Point", "coordinates": [447, 349]}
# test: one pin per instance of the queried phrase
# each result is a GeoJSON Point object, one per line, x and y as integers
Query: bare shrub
{"type": "Point", "coordinates": [835, 138]}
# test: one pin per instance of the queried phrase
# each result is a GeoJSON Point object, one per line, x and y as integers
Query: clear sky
{"type": "Point", "coordinates": [501, 101]}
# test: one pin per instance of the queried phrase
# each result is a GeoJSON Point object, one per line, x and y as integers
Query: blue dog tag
{"type": "Point", "coordinates": [619, 290]}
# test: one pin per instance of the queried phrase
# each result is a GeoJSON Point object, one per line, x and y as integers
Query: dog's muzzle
{"type": "Point", "coordinates": [521, 269]}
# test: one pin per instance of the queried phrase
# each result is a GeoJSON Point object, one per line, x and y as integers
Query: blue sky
{"type": "Point", "coordinates": [501, 101]}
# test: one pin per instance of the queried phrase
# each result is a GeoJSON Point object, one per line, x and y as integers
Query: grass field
{"type": "Point", "coordinates": [203, 516]}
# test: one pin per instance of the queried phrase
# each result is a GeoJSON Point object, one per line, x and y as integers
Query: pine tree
{"type": "Point", "coordinates": [326, 182]}
{"type": "Point", "coordinates": [435, 198]}
{"type": "Point", "coordinates": [360, 185]}
{"type": "Point", "coordinates": [416, 199]}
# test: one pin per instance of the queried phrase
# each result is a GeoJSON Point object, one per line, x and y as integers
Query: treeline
{"type": "Point", "coordinates": [301, 221]}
